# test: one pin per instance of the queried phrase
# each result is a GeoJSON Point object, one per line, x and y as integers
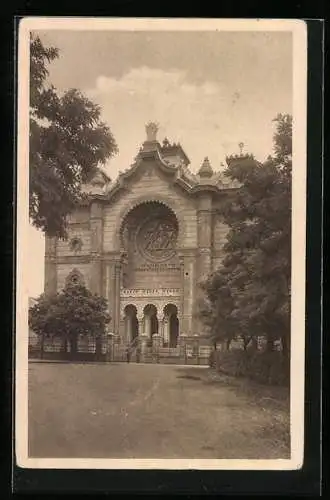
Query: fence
{"type": "Point", "coordinates": [55, 348]}
{"type": "Point", "coordinates": [191, 351]}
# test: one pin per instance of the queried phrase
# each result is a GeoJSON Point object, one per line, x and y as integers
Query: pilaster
{"type": "Point", "coordinates": [96, 228]}
{"type": "Point", "coordinates": [188, 277]}
{"type": "Point", "coordinates": [117, 296]}
{"type": "Point", "coordinates": [205, 248]}
{"type": "Point", "coordinates": [50, 286]}
{"type": "Point", "coordinates": [204, 234]}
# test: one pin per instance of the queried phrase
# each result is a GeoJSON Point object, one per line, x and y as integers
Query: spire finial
{"type": "Point", "coordinates": [241, 147]}
{"type": "Point", "coordinates": [206, 169]}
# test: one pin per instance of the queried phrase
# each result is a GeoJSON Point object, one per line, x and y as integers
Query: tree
{"type": "Point", "coordinates": [249, 295]}
{"type": "Point", "coordinates": [68, 141]}
{"type": "Point", "coordinates": [73, 312]}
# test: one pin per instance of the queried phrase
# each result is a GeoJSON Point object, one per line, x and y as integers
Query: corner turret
{"type": "Point", "coordinates": [206, 171]}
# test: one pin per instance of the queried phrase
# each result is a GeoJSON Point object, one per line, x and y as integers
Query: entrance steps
{"type": "Point", "coordinates": [161, 355]}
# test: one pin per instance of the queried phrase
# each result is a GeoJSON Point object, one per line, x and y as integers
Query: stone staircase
{"type": "Point", "coordinates": [133, 353]}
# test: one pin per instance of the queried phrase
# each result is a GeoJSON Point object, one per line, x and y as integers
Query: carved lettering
{"type": "Point", "coordinates": [158, 268]}
{"type": "Point", "coordinates": [153, 292]}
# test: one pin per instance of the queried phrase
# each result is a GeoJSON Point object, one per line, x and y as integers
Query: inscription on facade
{"type": "Point", "coordinates": [158, 267]}
{"type": "Point", "coordinates": [154, 292]}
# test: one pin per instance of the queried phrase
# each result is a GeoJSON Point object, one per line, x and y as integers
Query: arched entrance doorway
{"type": "Point", "coordinates": [150, 320]}
{"type": "Point", "coordinates": [131, 322]}
{"type": "Point", "coordinates": [174, 330]}
{"type": "Point", "coordinates": [171, 325]}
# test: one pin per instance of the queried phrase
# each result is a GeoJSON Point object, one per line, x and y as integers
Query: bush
{"type": "Point", "coordinates": [265, 367]}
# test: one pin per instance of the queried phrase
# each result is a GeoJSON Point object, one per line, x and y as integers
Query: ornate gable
{"type": "Point", "coordinates": [169, 159]}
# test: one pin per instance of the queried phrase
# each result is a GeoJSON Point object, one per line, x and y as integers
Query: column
{"type": "Point", "coordinates": [166, 330]}
{"type": "Point", "coordinates": [128, 327]}
{"type": "Point", "coordinates": [111, 293]}
{"type": "Point", "coordinates": [113, 280]}
{"type": "Point", "coordinates": [204, 258]}
{"type": "Point", "coordinates": [143, 339]}
{"type": "Point", "coordinates": [50, 286]}
{"type": "Point", "coordinates": [117, 297]}
{"type": "Point", "coordinates": [147, 325]}
{"type": "Point", "coordinates": [204, 234]}
{"type": "Point", "coordinates": [182, 281]}
{"type": "Point", "coordinates": [161, 319]}
{"type": "Point", "coordinates": [96, 225]}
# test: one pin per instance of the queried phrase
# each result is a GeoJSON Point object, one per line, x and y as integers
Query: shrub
{"type": "Point", "coordinates": [262, 366]}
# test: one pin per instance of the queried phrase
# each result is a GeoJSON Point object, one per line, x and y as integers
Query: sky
{"type": "Point", "coordinates": [207, 90]}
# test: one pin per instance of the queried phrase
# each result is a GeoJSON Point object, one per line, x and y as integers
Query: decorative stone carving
{"type": "Point", "coordinates": [151, 130]}
{"type": "Point", "coordinates": [75, 278]}
{"type": "Point", "coordinates": [156, 239]}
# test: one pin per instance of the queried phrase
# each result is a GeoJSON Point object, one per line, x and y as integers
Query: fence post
{"type": "Point", "coordinates": [42, 345]}
{"type": "Point", "coordinates": [143, 339]}
{"type": "Point", "coordinates": [196, 348]}
{"type": "Point", "coordinates": [110, 338]}
{"type": "Point", "coordinates": [183, 351]}
{"type": "Point", "coordinates": [156, 342]}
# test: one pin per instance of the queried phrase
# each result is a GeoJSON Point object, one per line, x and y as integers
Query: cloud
{"type": "Point", "coordinates": [185, 111]}
{"type": "Point", "coordinates": [209, 118]}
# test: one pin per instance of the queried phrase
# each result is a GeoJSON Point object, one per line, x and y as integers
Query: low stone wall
{"type": "Point", "coordinates": [265, 367]}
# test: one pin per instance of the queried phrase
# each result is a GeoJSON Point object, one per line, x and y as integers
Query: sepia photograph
{"type": "Point", "coordinates": [161, 243]}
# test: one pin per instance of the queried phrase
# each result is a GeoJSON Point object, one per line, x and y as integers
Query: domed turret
{"type": "Point", "coordinates": [206, 170]}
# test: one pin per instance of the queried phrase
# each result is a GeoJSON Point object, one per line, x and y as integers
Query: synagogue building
{"type": "Point", "coordinates": [145, 241]}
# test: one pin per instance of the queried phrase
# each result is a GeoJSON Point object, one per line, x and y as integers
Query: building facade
{"type": "Point", "coordinates": [145, 242]}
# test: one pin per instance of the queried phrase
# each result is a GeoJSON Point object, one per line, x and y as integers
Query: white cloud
{"type": "Point", "coordinates": [209, 119]}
